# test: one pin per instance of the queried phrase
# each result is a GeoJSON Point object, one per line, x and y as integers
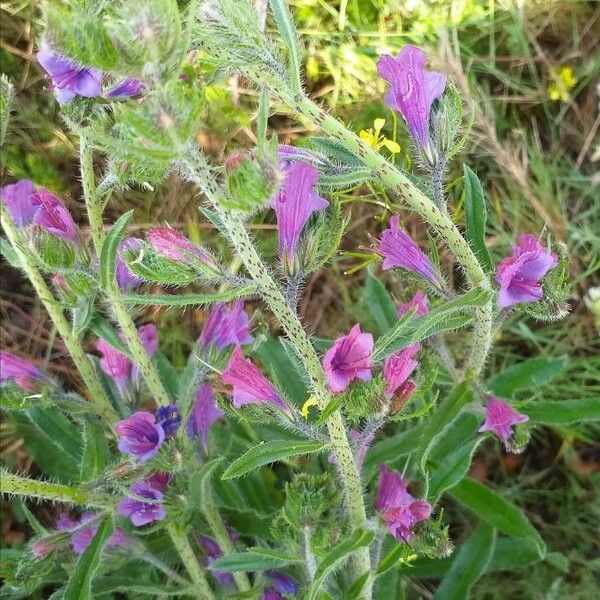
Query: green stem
{"type": "Point", "coordinates": [93, 205]}
{"type": "Point", "coordinates": [82, 362]}
{"type": "Point", "coordinates": [186, 552]}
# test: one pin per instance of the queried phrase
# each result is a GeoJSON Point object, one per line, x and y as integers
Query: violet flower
{"type": "Point", "coordinates": [500, 417]}
{"type": "Point", "coordinates": [205, 413]}
{"type": "Point", "coordinates": [282, 583]}
{"type": "Point", "coordinates": [399, 367]}
{"type": "Point", "coordinates": [175, 246]}
{"type": "Point", "coordinates": [141, 512]}
{"type": "Point", "coordinates": [140, 435]}
{"type": "Point", "coordinates": [399, 250]}
{"type": "Point", "coordinates": [294, 203]}
{"type": "Point", "coordinates": [349, 358]}
{"type": "Point", "coordinates": [126, 280]}
{"type": "Point", "coordinates": [82, 537]}
{"type": "Point", "coordinates": [412, 89]}
{"type": "Point", "coordinates": [159, 480]}
{"type": "Point", "coordinates": [418, 301]}
{"type": "Point", "coordinates": [68, 78]}
{"type": "Point", "coordinates": [250, 386]}
{"type": "Point", "coordinates": [290, 155]}
{"type": "Point", "coordinates": [391, 489]}
{"type": "Point", "coordinates": [53, 216]}
{"type": "Point", "coordinates": [169, 419]}
{"type": "Point", "coordinates": [17, 199]}
{"type": "Point", "coordinates": [22, 372]}
{"type": "Point", "coordinates": [272, 594]}
{"type": "Point", "coordinates": [128, 88]}
{"type": "Point", "coordinates": [212, 551]}
{"type": "Point", "coordinates": [226, 324]}
{"type": "Point", "coordinates": [519, 275]}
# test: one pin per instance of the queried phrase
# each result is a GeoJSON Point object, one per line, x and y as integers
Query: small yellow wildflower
{"type": "Point", "coordinates": [312, 401]}
{"type": "Point", "coordinates": [564, 81]}
{"type": "Point", "coordinates": [374, 138]}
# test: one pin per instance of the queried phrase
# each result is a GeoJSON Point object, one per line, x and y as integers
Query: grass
{"type": "Point", "coordinates": [537, 159]}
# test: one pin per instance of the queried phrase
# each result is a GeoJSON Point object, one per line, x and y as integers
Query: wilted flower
{"type": "Point", "coordinates": [226, 324]}
{"type": "Point", "coordinates": [169, 419]}
{"type": "Point", "coordinates": [399, 250]}
{"type": "Point", "coordinates": [418, 301]}
{"type": "Point", "coordinates": [250, 386]}
{"type": "Point", "coordinates": [349, 358]}
{"type": "Point", "coordinates": [53, 216]}
{"type": "Point", "coordinates": [412, 89]}
{"type": "Point", "coordinates": [399, 367]}
{"type": "Point", "coordinates": [22, 372]}
{"type": "Point", "coordinates": [140, 435]}
{"type": "Point", "coordinates": [212, 551]}
{"type": "Point", "coordinates": [141, 512]}
{"type": "Point", "coordinates": [17, 197]}
{"type": "Point", "coordinates": [126, 280]}
{"type": "Point", "coordinates": [68, 78]}
{"type": "Point", "coordinates": [500, 417]}
{"type": "Point", "coordinates": [128, 88]}
{"type": "Point", "coordinates": [294, 203]}
{"type": "Point", "coordinates": [519, 275]}
{"type": "Point", "coordinates": [175, 246]}
{"type": "Point", "coordinates": [205, 413]}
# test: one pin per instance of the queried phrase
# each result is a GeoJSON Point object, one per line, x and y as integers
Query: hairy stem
{"type": "Point", "coordinates": [93, 205]}
{"type": "Point", "coordinates": [309, 557]}
{"type": "Point", "coordinates": [82, 362]}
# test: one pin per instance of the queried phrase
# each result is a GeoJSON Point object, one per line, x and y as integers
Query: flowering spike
{"type": "Point", "coordinates": [519, 275]}
{"type": "Point", "coordinates": [17, 197]}
{"type": "Point", "coordinates": [349, 358]}
{"type": "Point", "coordinates": [140, 435]}
{"type": "Point", "coordinates": [140, 512]}
{"type": "Point", "coordinates": [53, 216]}
{"type": "Point", "coordinates": [500, 417]}
{"type": "Point", "coordinates": [205, 413]}
{"type": "Point", "coordinates": [226, 325]}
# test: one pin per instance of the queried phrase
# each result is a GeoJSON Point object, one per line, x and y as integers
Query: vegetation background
{"type": "Point", "coordinates": [529, 73]}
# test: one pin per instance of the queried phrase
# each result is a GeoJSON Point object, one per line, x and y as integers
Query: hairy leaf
{"type": "Point", "coordinates": [475, 216]}
{"type": "Point", "coordinates": [108, 254]}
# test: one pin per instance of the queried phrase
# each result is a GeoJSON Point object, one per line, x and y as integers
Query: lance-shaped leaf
{"type": "Point", "coordinates": [188, 299]}
{"type": "Point", "coordinates": [254, 559]}
{"type": "Point", "coordinates": [556, 412]}
{"type": "Point", "coordinates": [289, 36]}
{"type": "Point", "coordinates": [475, 217]}
{"type": "Point", "coordinates": [108, 255]}
{"type": "Point", "coordinates": [379, 303]}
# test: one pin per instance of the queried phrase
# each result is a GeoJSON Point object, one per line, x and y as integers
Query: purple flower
{"type": "Point", "coordinates": [149, 338]}
{"type": "Point", "coordinates": [500, 418]}
{"type": "Point", "coordinates": [140, 435]}
{"type": "Point", "coordinates": [399, 250]}
{"type": "Point", "coordinates": [169, 419]}
{"type": "Point", "coordinates": [519, 275]}
{"type": "Point", "coordinates": [226, 324]}
{"type": "Point", "coordinates": [399, 367]}
{"type": "Point", "coordinates": [205, 413]}
{"type": "Point", "coordinates": [282, 583]}
{"type": "Point", "coordinates": [412, 89]}
{"type": "Point", "coordinates": [212, 551]}
{"type": "Point", "coordinates": [159, 480]}
{"type": "Point", "coordinates": [418, 302]}
{"type": "Point", "coordinates": [82, 537]}
{"type": "Point", "coordinates": [250, 386]}
{"type": "Point", "coordinates": [290, 155]}
{"type": "Point", "coordinates": [126, 280]}
{"type": "Point", "coordinates": [19, 370]}
{"type": "Point", "coordinates": [175, 246]}
{"type": "Point", "coordinates": [391, 489]}
{"type": "Point", "coordinates": [115, 364]}
{"type": "Point", "coordinates": [271, 594]}
{"type": "Point", "coordinates": [294, 203]}
{"type": "Point", "coordinates": [68, 78]}
{"type": "Point", "coordinates": [141, 512]}
{"type": "Point", "coordinates": [128, 88]}
{"type": "Point", "coordinates": [17, 199]}
{"type": "Point", "coordinates": [349, 358]}
{"type": "Point", "coordinates": [53, 216]}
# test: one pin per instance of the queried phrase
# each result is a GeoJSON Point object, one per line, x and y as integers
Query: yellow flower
{"type": "Point", "coordinates": [564, 81]}
{"type": "Point", "coordinates": [374, 138]}
{"type": "Point", "coordinates": [312, 401]}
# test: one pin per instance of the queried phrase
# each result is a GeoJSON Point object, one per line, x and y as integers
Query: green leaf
{"type": "Point", "coordinates": [289, 36]}
{"type": "Point", "coordinates": [80, 583]}
{"type": "Point", "coordinates": [188, 299]}
{"type": "Point", "coordinates": [475, 217]}
{"type": "Point", "coordinates": [335, 557]}
{"type": "Point", "coordinates": [469, 564]}
{"type": "Point", "coordinates": [531, 373]}
{"type": "Point", "coordinates": [262, 121]}
{"type": "Point", "coordinates": [167, 374]}
{"type": "Point", "coordinates": [108, 255]}
{"type": "Point", "coordinates": [269, 452]}
{"type": "Point", "coordinates": [379, 303]}
{"type": "Point", "coordinates": [251, 561]}
{"type": "Point", "coordinates": [333, 404]}
{"type": "Point", "coordinates": [95, 450]}
{"type": "Point", "coordinates": [7, 92]}
{"type": "Point", "coordinates": [199, 482]}
{"type": "Point", "coordinates": [9, 254]}
{"type": "Point", "coordinates": [409, 330]}
{"type": "Point", "coordinates": [103, 329]}
{"type": "Point", "coordinates": [563, 411]}
{"type": "Point", "coordinates": [496, 510]}
{"type": "Point", "coordinates": [392, 448]}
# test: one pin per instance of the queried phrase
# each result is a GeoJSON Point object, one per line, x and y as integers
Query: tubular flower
{"type": "Point", "coordinates": [412, 89]}
{"type": "Point", "coordinates": [169, 419]}
{"type": "Point", "coordinates": [250, 386]}
{"type": "Point", "coordinates": [418, 301]}
{"type": "Point", "coordinates": [53, 216]}
{"type": "Point", "coordinates": [23, 373]}
{"type": "Point", "coordinates": [399, 367]}
{"type": "Point", "coordinates": [205, 413]}
{"type": "Point", "coordinates": [500, 417]}
{"type": "Point", "coordinates": [115, 364]}
{"type": "Point", "coordinates": [519, 275]}
{"type": "Point", "coordinates": [140, 435]}
{"type": "Point", "coordinates": [175, 246]}
{"type": "Point", "coordinates": [226, 325]}
{"type": "Point", "coordinates": [82, 537]}
{"type": "Point", "coordinates": [141, 512]}
{"type": "Point", "coordinates": [128, 88]}
{"type": "Point", "coordinates": [17, 197]}
{"type": "Point", "coordinates": [282, 583]}
{"type": "Point", "coordinates": [212, 551]}
{"type": "Point", "coordinates": [349, 358]}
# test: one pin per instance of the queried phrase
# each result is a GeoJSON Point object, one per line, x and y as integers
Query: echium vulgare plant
{"type": "Point", "coordinates": [160, 475]}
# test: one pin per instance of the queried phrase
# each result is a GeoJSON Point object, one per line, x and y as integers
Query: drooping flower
{"type": "Point", "coordinates": [418, 301]}
{"type": "Point", "coordinates": [205, 413]}
{"type": "Point", "coordinates": [175, 246]}
{"type": "Point", "coordinates": [282, 583]}
{"type": "Point", "coordinates": [115, 364]}
{"type": "Point", "coordinates": [412, 89]}
{"type": "Point", "coordinates": [250, 386]}
{"type": "Point", "coordinates": [126, 280]}
{"type": "Point", "coordinates": [17, 199]}
{"type": "Point", "coordinates": [294, 203]}
{"type": "Point", "coordinates": [399, 250]}
{"type": "Point", "coordinates": [349, 358]}
{"type": "Point", "coordinates": [212, 551]}
{"type": "Point", "coordinates": [519, 275]}
{"type": "Point", "coordinates": [53, 216]}
{"type": "Point", "coordinates": [169, 419]}
{"type": "Point", "coordinates": [22, 372]}
{"type": "Point", "coordinates": [500, 417]}
{"type": "Point", "coordinates": [140, 435]}
{"type": "Point", "coordinates": [68, 78]}
{"type": "Point", "coordinates": [226, 324]}
{"type": "Point", "coordinates": [128, 88]}
{"type": "Point", "coordinates": [399, 367]}
{"type": "Point", "coordinates": [142, 512]}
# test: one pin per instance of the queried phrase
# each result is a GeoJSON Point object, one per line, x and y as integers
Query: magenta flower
{"type": "Point", "coordinates": [294, 203]}
{"type": "Point", "coordinates": [17, 199]}
{"type": "Point", "coordinates": [140, 435]}
{"type": "Point", "coordinates": [399, 367]}
{"type": "Point", "coordinates": [126, 280]}
{"type": "Point", "coordinates": [418, 301]}
{"type": "Point", "coordinates": [68, 78]}
{"type": "Point", "coordinates": [53, 216]}
{"type": "Point", "coordinates": [22, 372]}
{"type": "Point", "coordinates": [115, 364]}
{"type": "Point", "coordinates": [250, 386]}
{"type": "Point", "coordinates": [399, 250]}
{"type": "Point", "coordinates": [149, 338]}
{"type": "Point", "coordinates": [412, 89]}
{"type": "Point", "coordinates": [42, 548]}
{"type": "Point", "coordinates": [391, 489]}
{"type": "Point", "coordinates": [175, 246]}
{"type": "Point", "coordinates": [142, 512]}
{"type": "Point", "coordinates": [290, 155]}
{"type": "Point", "coordinates": [205, 413]}
{"type": "Point", "coordinates": [159, 480]}
{"type": "Point", "coordinates": [226, 324]}
{"type": "Point", "coordinates": [128, 88]}
{"type": "Point", "coordinates": [212, 551]}
{"type": "Point", "coordinates": [500, 418]}
{"type": "Point", "coordinates": [519, 275]}
{"type": "Point", "coordinates": [349, 358]}
{"type": "Point", "coordinates": [82, 537]}
{"type": "Point", "coordinates": [169, 419]}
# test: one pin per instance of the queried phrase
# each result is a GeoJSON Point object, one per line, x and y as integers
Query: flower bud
{"type": "Point", "coordinates": [250, 184]}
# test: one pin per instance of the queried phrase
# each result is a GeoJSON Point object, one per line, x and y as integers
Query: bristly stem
{"type": "Point", "coordinates": [52, 306]}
